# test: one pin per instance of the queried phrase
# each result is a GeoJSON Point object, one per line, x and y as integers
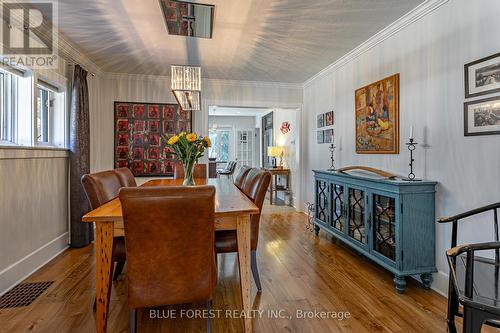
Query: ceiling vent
{"type": "Point", "coordinates": [188, 19]}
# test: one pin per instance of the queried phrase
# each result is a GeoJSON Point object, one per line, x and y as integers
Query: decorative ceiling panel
{"type": "Point", "coordinates": [254, 40]}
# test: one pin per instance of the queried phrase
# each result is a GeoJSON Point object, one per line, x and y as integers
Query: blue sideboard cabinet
{"type": "Point", "coordinates": [392, 222]}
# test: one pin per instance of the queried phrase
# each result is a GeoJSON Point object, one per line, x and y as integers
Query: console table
{"type": "Point", "coordinates": [390, 221]}
{"type": "Point", "coordinates": [274, 186]}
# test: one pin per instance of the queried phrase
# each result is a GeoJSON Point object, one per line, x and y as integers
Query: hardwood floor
{"type": "Point", "coordinates": [298, 270]}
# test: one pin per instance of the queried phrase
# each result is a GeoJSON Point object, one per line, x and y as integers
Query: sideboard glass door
{"type": "Point", "coordinates": [321, 208]}
{"type": "Point", "coordinates": [356, 205]}
{"type": "Point", "coordinates": [384, 226]}
{"type": "Point", "coordinates": [337, 200]}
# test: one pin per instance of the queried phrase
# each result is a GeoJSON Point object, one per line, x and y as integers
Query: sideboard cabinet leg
{"type": "Point", "coordinates": [400, 283]}
{"type": "Point", "coordinates": [426, 280]}
{"type": "Point", "coordinates": [316, 230]}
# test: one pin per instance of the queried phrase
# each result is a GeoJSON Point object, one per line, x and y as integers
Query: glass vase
{"type": "Point", "coordinates": [188, 174]}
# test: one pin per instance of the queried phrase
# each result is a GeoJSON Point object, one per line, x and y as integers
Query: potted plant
{"type": "Point", "coordinates": [188, 148]}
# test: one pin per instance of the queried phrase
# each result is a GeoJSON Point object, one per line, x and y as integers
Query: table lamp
{"type": "Point", "coordinates": [276, 151]}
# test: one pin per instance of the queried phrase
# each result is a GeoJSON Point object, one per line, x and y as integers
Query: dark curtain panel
{"type": "Point", "coordinates": [79, 144]}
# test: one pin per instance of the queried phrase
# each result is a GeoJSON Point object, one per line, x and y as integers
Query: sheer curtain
{"type": "Point", "coordinates": [79, 144]}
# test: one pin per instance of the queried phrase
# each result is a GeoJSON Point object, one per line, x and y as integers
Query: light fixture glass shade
{"type": "Point", "coordinates": [188, 100]}
{"type": "Point", "coordinates": [186, 77]}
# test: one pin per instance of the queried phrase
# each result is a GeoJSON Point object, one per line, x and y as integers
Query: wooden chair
{"type": "Point", "coordinates": [169, 233]}
{"type": "Point", "coordinates": [241, 175]}
{"type": "Point", "coordinates": [200, 171]}
{"type": "Point", "coordinates": [255, 187]}
{"type": "Point", "coordinates": [463, 281]}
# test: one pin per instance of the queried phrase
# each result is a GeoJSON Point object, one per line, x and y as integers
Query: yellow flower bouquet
{"type": "Point", "coordinates": [188, 148]}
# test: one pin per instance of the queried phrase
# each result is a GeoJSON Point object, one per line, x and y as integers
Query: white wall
{"type": "Point", "coordinates": [156, 89]}
{"type": "Point", "coordinates": [292, 151]}
{"type": "Point", "coordinates": [430, 55]}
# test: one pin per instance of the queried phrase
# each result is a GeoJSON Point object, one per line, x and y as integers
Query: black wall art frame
{"type": "Point", "coordinates": [482, 76]}
{"type": "Point", "coordinates": [482, 117]}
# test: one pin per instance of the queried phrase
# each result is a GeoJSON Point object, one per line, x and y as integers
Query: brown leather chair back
{"type": "Point", "coordinates": [127, 179]}
{"type": "Point", "coordinates": [200, 171]}
{"type": "Point", "coordinates": [101, 187]}
{"type": "Point", "coordinates": [240, 177]}
{"type": "Point", "coordinates": [169, 238]}
{"type": "Point", "coordinates": [255, 187]}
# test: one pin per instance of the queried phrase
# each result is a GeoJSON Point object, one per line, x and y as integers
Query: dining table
{"type": "Point", "coordinates": [233, 210]}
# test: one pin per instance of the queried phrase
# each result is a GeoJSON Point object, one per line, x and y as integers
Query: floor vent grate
{"type": "Point", "coordinates": [23, 294]}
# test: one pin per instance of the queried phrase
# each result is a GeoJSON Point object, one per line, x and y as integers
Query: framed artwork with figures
{"type": "Point", "coordinates": [139, 128]}
{"type": "Point", "coordinates": [377, 117]}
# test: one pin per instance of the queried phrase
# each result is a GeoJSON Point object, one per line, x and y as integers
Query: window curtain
{"type": "Point", "coordinates": [79, 143]}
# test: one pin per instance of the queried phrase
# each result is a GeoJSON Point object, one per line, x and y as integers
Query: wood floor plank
{"type": "Point", "coordinates": [299, 271]}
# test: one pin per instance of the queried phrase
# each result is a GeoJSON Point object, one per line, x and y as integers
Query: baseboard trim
{"type": "Point", "coordinates": [21, 269]}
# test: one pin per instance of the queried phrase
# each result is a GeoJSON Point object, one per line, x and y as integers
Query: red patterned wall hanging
{"type": "Point", "coordinates": [139, 128]}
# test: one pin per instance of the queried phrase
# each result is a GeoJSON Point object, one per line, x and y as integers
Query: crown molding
{"type": "Point", "coordinates": [409, 18]}
{"type": "Point", "coordinates": [283, 85]}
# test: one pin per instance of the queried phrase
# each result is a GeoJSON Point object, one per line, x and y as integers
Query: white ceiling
{"type": "Point", "coordinates": [254, 40]}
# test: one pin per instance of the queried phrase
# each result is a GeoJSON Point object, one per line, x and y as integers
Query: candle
{"type": "Point", "coordinates": [411, 132]}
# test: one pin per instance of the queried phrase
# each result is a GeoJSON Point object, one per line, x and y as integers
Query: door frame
{"type": "Point", "coordinates": [200, 125]}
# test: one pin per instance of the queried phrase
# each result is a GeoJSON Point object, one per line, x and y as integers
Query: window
{"type": "Point", "coordinates": [220, 144]}
{"type": "Point", "coordinates": [8, 92]}
{"type": "Point", "coordinates": [44, 112]}
{"type": "Point", "coordinates": [31, 117]}
{"type": "Point", "coordinates": [50, 120]}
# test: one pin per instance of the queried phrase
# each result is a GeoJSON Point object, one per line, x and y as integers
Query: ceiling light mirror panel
{"type": "Point", "coordinates": [188, 19]}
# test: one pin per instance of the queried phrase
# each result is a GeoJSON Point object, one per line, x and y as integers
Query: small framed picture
{"type": "Point", "coordinates": [320, 120]}
{"type": "Point", "coordinates": [482, 117]}
{"type": "Point", "coordinates": [320, 137]}
{"type": "Point", "coordinates": [328, 134]}
{"type": "Point", "coordinates": [329, 118]}
{"type": "Point", "coordinates": [482, 76]}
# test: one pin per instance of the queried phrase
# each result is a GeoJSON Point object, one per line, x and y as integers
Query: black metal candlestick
{"type": "Point", "coordinates": [412, 145]}
{"type": "Point", "coordinates": [332, 150]}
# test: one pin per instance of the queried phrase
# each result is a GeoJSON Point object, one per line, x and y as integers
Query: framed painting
{"type": "Point", "coordinates": [320, 120]}
{"type": "Point", "coordinates": [320, 137]}
{"type": "Point", "coordinates": [328, 135]}
{"type": "Point", "coordinates": [139, 128]}
{"type": "Point", "coordinates": [377, 117]}
{"type": "Point", "coordinates": [482, 76]}
{"type": "Point", "coordinates": [482, 117]}
{"type": "Point", "coordinates": [329, 118]}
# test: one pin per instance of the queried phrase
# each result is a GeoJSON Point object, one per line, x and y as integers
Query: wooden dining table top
{"type": "Point", "coordinates": [229, 200]}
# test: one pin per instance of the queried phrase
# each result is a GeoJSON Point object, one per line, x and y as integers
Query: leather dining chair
{"type": "Point", "coordinates": [126, 177]}
{"type": "Point", "coordinates": [101, 187]}
{"type": "Point", "coordinates": [169, 233]}
{"type": "Point", "coordinates": [200, 171]}
{"type": "Point", "coordinates": [241, 175]}
{"type": "Point", "coordinates": [255, 187]}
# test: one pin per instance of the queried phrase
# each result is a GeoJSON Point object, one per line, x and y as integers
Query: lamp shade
{"type": "Point", "coordinates": [274, 151]}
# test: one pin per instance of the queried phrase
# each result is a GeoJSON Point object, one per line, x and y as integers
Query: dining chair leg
{"type": "Point", "coordinates": [118, 269]}
{"type": "Point", "coordinates": [209, 324]}
{"type": "Point", "coordinates": [255, 271]}
{"type": "Point", "coordinates": [452, 307]}
{"type": "Point", "coordinates": [94, 307]}
{"type": "Point", "coordinates": [133, 321]}
{"type": "Point", "coordinates": [473, 320]}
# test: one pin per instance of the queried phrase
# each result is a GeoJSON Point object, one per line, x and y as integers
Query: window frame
{"type": "Point", "coordinates": [9, 103]}
{"type": "Point", "coordinates": [59, 96]}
